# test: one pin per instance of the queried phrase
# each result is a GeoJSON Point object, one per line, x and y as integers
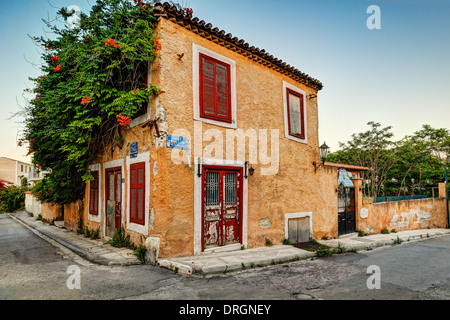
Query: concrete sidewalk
{"type": "Point", "coordinates": [215, 263]}
{"type": "Point", "coordinates": [352, 242]}
{"type": "Point", "coordinates": [96, 251]}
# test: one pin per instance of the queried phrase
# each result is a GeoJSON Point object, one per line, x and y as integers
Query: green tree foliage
{"type": "Point", "coordinates": [374, 149]}
{"type": "Point", "coordinates": [90, 76]}
{"type": "Point", "coordinates": [12, 198]}
{"type": "Point", "coordinates": [412, 165]}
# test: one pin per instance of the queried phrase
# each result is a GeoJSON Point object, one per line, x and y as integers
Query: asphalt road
{"type": "Point", "coordinates": [33, 268]}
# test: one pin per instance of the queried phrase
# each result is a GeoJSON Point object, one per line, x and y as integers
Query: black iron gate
{"type": "Point", "coordinates": [346, 210]}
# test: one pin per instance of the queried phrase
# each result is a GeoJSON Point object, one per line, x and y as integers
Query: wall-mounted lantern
{"type": "Point", "coordinates": [251, 170]}
{"type": "Point", "coordinates": [248, 170]}
{"type": "Point", "coordinates": [324, 149]}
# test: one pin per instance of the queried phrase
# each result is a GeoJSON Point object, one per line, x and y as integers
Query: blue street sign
{"type": "Point", "coordinates": [134, 150]}
{"type": "Point", "coordinates": [174, 142]}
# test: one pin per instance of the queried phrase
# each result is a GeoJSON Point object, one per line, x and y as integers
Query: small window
{"type": "Point", "coordinates": [21, 168]}
{"type": "Point", "coordinates": [215, 89]}
{"type": "Point", "coordinates": [137, 193]}
{"type": "Point", "coordinates": [295, 111]}
{"type": "Point", "coordinates": [93, 194]}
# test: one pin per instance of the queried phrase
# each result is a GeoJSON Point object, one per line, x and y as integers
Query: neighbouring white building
{"type": "Point", "coordinates": [13, 171]}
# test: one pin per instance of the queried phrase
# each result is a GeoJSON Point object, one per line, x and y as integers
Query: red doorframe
{"type": "Point", "coordinates": [241, 196]}
{"type": "Point", "coordinates": [118, 213]}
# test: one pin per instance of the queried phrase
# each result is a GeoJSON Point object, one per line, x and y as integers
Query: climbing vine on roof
{"type": "Point", "coordinates": [93, 81]}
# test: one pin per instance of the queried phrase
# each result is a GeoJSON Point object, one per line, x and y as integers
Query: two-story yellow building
{"type": "Point", "coordinates": [223, 156]}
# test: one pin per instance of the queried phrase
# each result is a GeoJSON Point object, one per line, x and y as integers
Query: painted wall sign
{"type": "Point", "coordinates": [174, 142]}
{"type": "Point", "coordinates": [344, 179]}
{"type": "Point", "coordinates": [134, 150]}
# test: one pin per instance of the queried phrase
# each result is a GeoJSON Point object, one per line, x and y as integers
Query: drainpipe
{"type": "Point", "coordinates": [446, 196]}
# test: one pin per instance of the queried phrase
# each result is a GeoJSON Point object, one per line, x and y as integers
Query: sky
{"type": "Point", "coordinates": [398, 75]}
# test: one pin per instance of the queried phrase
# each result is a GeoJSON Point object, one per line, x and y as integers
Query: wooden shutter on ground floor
{"type": "Point", "coordinates": [93, 194]}
{"type": "Point", "coordinates": [137, 193]}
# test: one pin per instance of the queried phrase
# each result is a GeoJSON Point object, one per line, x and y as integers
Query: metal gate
{"type": "Point", "coordinates": [346, 210]}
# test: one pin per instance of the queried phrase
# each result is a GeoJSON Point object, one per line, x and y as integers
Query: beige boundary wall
{"type": "Point", "coordinates": [32, 205]}
{"type": "Point", "coordinates": [402, 215]}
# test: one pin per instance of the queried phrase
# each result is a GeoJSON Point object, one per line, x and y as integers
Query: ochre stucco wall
{"type": "Point", "coordinates": [50, 211]}
{"type": "Point", "coordinates": [403, 215]}
{"type": "Point", "coordinates": [72, 214]}
{"type": "Point", "coordinates": [296, 188]}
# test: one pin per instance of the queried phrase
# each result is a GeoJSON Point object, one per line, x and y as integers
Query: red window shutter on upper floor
{"type": "Point", "coordinates": [93, 194]}
{"type": "Point", "coordinates": [137, 193]}
{"type": "Point", "coordinates": [215, 89]}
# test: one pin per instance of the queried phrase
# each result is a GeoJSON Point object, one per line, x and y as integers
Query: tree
{"type": "Point", "coordinates": [373, 149]}
{"type": "Point", "coordinates": [93, 82]}
{"type": "Point", "coordinates": [410, 166]}
{"type": "Point", "coordinates": [422, 157]}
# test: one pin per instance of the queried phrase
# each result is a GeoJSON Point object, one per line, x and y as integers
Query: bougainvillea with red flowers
{"type": "Point", "coordinates": [89, 77]}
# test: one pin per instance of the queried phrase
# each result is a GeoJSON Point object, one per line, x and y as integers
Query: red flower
{"type": "Point", "coordinates": [112, 43]}
{"type": "Point", "coordinates": [58, 67]}
{"type": "Point", "coordinates": [86, 100]}
{"type": "Point", "coordinates": [123, 120]}
{"type": "Point", "coordinates": [158, 45]}
{"type": "Point", "coordinates": [55, 58]}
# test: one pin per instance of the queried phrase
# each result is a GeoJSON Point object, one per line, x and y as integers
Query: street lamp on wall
{"type": "Point", "coordinates": [324, 149]}
{"type": "Point", "coordinates": [248, 170]}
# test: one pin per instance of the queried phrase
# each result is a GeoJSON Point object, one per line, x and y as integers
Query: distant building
{"type": "Point", "coordinates": [14, 171]}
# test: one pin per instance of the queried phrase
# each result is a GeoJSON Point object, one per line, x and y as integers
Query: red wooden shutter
{"type": "Point", "coordinates": [137, 193]}
{"type": "Point", "coordinates": [215, 89]}
{"type": "Point", "coordinates": [93, 194]}
{"type": "Point", "coordinates": [222, 91]}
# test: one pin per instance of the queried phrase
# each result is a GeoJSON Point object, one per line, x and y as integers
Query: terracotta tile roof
{"type": "Point", "coordinates": [227, 40]}
{"type": "Point", "coordinates": [346, 166]}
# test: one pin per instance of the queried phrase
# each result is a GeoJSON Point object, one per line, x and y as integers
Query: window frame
{"type": "Point", "coordinates": [196, 51]}
{"type": "Point", "coordinates": [289, 92]}
{"type": "Point", "coordinates": [137, 186]}
{"type": "Point", "coordinates": [94, 187]}
{"type": "Point", "coordinates": [216, 117]}
{"type": "Point", "coordinates": [287, 87]}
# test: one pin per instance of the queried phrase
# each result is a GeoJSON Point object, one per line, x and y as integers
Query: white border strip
{"type": "Point", "coordinates": [93, 217]}
{"type": "Point", "coordinates": [286, 119]}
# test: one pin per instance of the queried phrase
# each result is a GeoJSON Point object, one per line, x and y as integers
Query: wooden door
{"type": "Point", "coordinates": [113, 188]}
{"type": "Point", "coordinates": [222, 206]}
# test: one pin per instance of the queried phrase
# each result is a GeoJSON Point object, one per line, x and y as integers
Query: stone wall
{"type": "Point", "coordinates": [32, 205]}
{"type": "Point", "coordinates": [51, 211]}
{"type": "Point", "coordinates": [72, 214]}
